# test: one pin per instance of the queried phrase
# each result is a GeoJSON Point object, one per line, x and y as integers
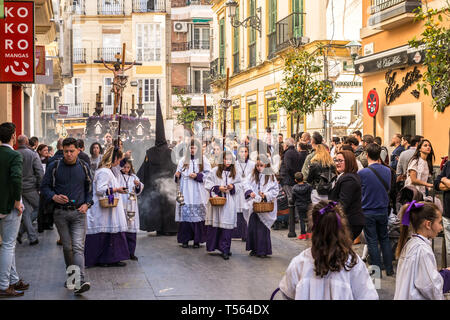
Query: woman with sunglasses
{"type": "Point", "coordinates": [347, 191]}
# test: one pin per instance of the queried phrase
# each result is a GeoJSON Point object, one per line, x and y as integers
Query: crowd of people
{"type": "Point", "coordinates": [341, 194]}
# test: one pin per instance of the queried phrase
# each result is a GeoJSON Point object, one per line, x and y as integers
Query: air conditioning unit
{"type": "Point", "coordinates": [180, 27]}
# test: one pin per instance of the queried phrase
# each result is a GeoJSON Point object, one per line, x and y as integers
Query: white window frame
{"type": "Point", "coordinates": [202, 79]}
{"type": "Point", "coordinates": [149, 87]}
{"type": "Point", "coordinates": [148, 46]}
{"type": "Point", "coordinates": [108, 108]}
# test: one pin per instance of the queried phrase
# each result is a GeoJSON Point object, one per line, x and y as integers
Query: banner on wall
{"type": "Point", "coordinates": [17, 52]}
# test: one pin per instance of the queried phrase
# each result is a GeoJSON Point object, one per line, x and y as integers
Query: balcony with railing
{"type": "Point", "coordinates": [140, 6]}
{"type": "Point", "coordinates": [110, 7]}
{"type": "Point", "coordinates": [79, 55]}
{"type": "Point", "coordinates": [272, 37]}
{"type": "Point", "coordinates": [191, 89]}
{"type": "Point", "coordinates": [76, 110]}
{"type": "Point", "coordinates": [108, 54]}
{"type": "Point", "coordinates": [289, 29]}
{"type": "Point", "coordinates": [184, 3]}
{"type": "Point", "coordinates": [217, 69]}
{"type": "Point", "coordinates": [382, 12]}
{"type": "Point", "coordinates": [79, 7]}
{"type": "Point", "coordinates": [191, 45]}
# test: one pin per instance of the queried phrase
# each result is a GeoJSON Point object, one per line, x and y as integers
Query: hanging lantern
{"type": "Point", "coordinates": [131, 207]}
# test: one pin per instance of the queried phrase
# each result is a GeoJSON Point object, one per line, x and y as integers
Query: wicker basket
{"type": "Point", "coordinates": [104, 203]}
{"type": "Point", "coordinates": [217, 201]}
{"type": "Point", "coordinates": [261, 207]}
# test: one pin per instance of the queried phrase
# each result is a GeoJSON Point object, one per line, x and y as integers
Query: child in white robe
{"type": "Point", "coordinates": [244, 168]}
{"type": "Point", "coordinates": [220, 221]}
{"type": "Point", "coordinates": [260, 186]}
{"type": "Point", "coordinates": [417, 274]}
{"type": "Point", "coordinates": [192, 170]}
{"type": "Point", "coordinates": [330, 269]}
{"type": "Point", "coordinates": [128, 179]}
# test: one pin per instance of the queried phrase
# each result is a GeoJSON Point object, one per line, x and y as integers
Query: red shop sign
{"type": "Point", "coordinates": [17, 62]}
{"type": "Point", "coordinates": [372, 103]}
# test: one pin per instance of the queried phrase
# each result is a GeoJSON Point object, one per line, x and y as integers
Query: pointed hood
{"type": "Point", "coordinates": [160, 133]}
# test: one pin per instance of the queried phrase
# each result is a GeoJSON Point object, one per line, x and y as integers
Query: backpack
{"type": "Point", "coordinates": [326, 182]}
{"type": "Point", "coordinates": [282, 200]}
{"type": "Point", "coordinates": [385, 160]}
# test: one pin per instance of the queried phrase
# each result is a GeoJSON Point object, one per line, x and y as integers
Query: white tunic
{"type": "Point", "coordinates": [194, 193]}
{"type": "Point", "coordinates": [270, 189]}
{"type": "Point", "coordinates": [301, 282]}
{"type": "Point", "coordinates": [133, 226]}
{"type": "Point", "coordinates": [417, 275]}
{"type": "Point", "coordinates": [223, 217]}
{"type": "Point", "coordinates": [110, 220]}
{"type": "Point", "coordinates": [243, 170]}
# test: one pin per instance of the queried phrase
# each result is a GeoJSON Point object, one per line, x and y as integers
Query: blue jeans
{"type": "Point", "coordinates": [71, 226]}
{"type": "Point", "coordinates": [376, 232]}
{"type": "Point", "coordinates": [9, 228]}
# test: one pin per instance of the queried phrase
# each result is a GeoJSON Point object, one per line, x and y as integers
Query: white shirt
{"type": "Point", "coordinates": [417, 275]}
{"type": "Point", "coordinates": [420, 166]}
{"type": "Point", "coordinates": [301, 282]}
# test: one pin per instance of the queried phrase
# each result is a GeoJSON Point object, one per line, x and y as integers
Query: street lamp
{"type": "Point", "coordinates": [353, 47]}
{"type": "Point", "coordinates": [252, 21]}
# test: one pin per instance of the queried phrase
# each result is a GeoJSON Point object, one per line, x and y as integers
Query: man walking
{"type": "Point", "coordinates": [396, 142]}
{"type": "Point", "coordinates": [32, 174]}
{"type": "Point", "coordinates": [11, 210]}
{"type": "Point", "coordinates": [68, 184]}
{"type": "Point", "coordinates": [375, 185]}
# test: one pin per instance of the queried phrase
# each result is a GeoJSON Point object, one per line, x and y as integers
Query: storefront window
{"type": "Point", "coordinates": [272, 115]}
{"type": "Point", "coordinates": [236, 120]}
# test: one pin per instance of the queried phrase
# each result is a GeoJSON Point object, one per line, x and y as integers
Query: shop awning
{"type": "Point", "coordinates": [200, 20]}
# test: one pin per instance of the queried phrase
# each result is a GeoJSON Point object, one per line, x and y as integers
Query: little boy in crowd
{"type": "Point", "coordinates": [301, 196]}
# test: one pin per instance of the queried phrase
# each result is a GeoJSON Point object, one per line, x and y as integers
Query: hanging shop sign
{"type": "Point", "coordinates": [394, 89]}
{"type": "Point", "coordinates": [17, 62]}
{"type": "Point", "coordinates": [40, 60]}
{"type": "Point", "coordinates": [373, 103]}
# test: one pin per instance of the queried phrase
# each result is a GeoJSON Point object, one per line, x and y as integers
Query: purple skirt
{"type": "Point", "coordinates": [188, 231]}
{"type": "Point", "coordinates": [218, 238]}
{"type": "Point", "coordinates": [131, 240]}
{"type": "Point", "coordinates": [446, 276]}
{"type": "Point", "coordinates": [241, 230]}
{"type": "Point", "coordinates": [258, 239]}
{"type": "Point", "coordinates": [106, 248]}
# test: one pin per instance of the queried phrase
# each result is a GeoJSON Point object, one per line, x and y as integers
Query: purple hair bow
{"type": "Point", "coordinates": [330, 206]}
{"type": "Point", "coordinates": [406, 215]}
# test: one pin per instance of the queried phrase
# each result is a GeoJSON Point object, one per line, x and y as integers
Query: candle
{"type": "Point", "coordinates": [228, 79]}
{"type": "Point", "coordinates": [97, 97]}
{"type": "Point", "coordinates": [140, 95]}
{"type": "Point", "coordinates": [99, 92]}
{"type": "Point", "coordinates": [132, 101]}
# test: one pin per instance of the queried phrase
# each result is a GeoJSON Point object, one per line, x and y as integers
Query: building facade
{"type": "Point", "coordinates": [254, 58]}
{"type": "Point", "coordinates": [31, 106]}
{"type": "Point", "coordinates": [99, 30]}
{"type": "Point", "coordinates": [190, 57]}
{"type": "Point", "coordinates": [391, 68]}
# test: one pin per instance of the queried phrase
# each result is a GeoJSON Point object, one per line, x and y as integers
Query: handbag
{"type": "Point", "coordinates": [109, 201]}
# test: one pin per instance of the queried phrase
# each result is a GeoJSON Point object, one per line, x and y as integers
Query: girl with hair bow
{"type": "Point", "coordinates": [417, 274]}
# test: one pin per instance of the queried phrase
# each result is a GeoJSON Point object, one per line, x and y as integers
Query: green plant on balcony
{"type": "Point", "coordinates": [303, 91]}
{"type": "Point", "coordinates": [435, 39]}
{"type": "Point", "coordinates": [186, 116]}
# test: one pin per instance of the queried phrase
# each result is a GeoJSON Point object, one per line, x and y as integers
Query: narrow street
{"type": "Point", "coordinates": [167, 271]}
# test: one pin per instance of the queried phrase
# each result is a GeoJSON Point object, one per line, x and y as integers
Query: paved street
{"type": "Point", "coordinates": [167, 271]}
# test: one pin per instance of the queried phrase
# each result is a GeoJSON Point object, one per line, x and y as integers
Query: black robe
{"type": "Point", "coordinates": [156, 206]}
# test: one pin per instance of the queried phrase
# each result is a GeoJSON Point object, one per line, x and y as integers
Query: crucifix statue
{"type": "Point", "coordinates": [120, 79]}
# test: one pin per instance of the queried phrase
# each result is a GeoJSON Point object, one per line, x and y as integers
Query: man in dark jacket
{"type": "Point", "coordinates": [442, 183]}
{"type": "Point", "coordinates": [59, 153]}
{"type": "Point", "coordinates": [32, 174]}
{"type": "Point", "coordinates": [303, 151]}
{"type": "Point", "coordinates": [291, 165]}
{"type": "Point", "coordinates": [83, 156]}
{"type": "Point", "coordinates": [11, 209]}
{"type": "Point", "coordinates": [376, 183]}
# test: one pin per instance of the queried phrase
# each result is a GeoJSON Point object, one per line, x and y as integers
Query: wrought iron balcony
{"type": "Point", "coordinates": [110, 7]}
{"type": "Point", "coordinates": [184, 3]}
{"type": "Point", "coordinates": [190, 89]}
{"type": "Point", "coordinates": [108, 54]}
{"type": "Point", "coordinates": [289, 29]}
{"type": "Point", "coordinates": [78, 7]}
{"type": "Point", "coordinates": [217, 69]}
{"type": "Point", "coordinates": [79, 55]}
{"type": "Point", "coordinates": [272, 37]}
{"type": "Point", "coordinates": [77, 110]}
{"type": "Point", "coordinates": [149, 6]}
{"type": "Point", "coordinates": [382, 10]}
{"type": "Point", "coordinates": [192, 45]}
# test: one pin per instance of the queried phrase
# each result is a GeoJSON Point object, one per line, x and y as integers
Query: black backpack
{"type": "Point", "coordinates": [282, 200]}
{"type": "Point", "coordinates": [326, 182]}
